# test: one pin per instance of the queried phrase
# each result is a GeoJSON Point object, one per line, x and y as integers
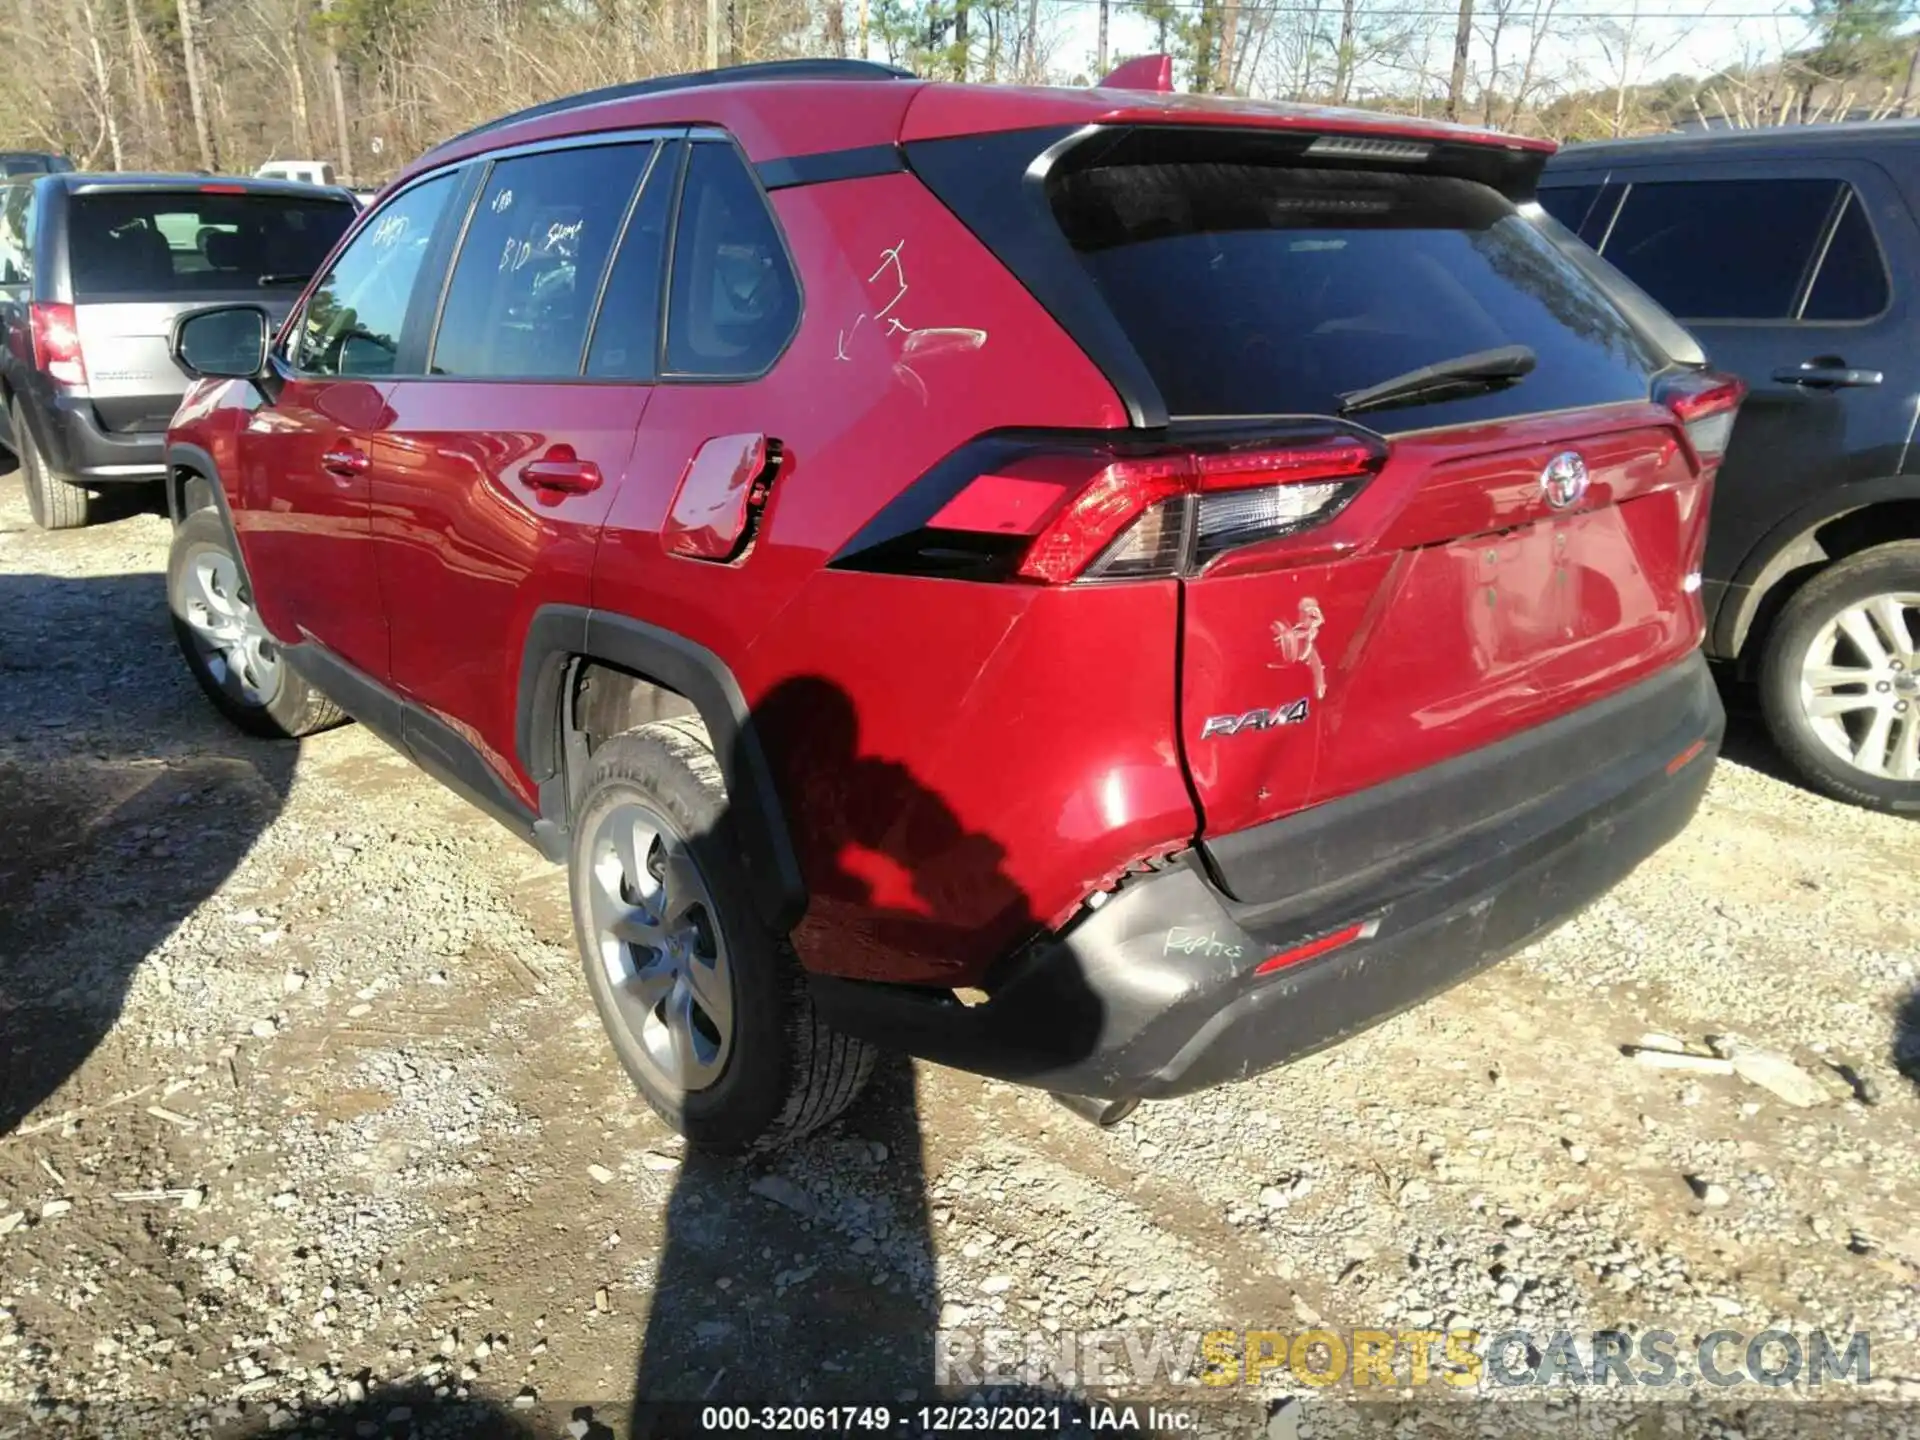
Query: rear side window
{"type": "Point", "coordinates": [16, 234]}
{"type": "Point", "coordinates": [735, 299]}
{"type": "Point", "coordinates": [148, 244]}
{"type": "Point", "coordinates": [1724, 249]}
{"type": "Point", "coordinates": [1569, 204]}
{"type": "Point", "coordinates": [1253, 289]}
{"type": "Point", "coordinates": [1852, 281]}
{"type": "Point", "coordinates": [523, 289]}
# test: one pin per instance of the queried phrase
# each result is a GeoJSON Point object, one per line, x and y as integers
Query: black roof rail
{"type": "Point", "coordinates": [725, 75]}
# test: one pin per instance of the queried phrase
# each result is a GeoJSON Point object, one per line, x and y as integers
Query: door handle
{"type": "Point", "coordinates": [1826, 377]}
{"type": "Point", "coordinates": [346, 461]}
{"type": "Point", "coordinates": [556, 477]}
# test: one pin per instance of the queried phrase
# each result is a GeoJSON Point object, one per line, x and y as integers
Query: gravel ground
{"type": "Point", "coordinates": [306, 1119]}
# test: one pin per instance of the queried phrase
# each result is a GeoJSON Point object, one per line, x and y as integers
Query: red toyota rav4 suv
{"type": "Point", "coordinates": [1109, 590]}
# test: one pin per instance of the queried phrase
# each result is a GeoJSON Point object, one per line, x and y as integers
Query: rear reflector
{"type": "Point", "coordinates": [1365, 930]}
{"type": "Point", "coordinates": [56, 344]}
{"type": "Point", "coordinates": [1055, 509]}
{"type": "Point", "coordinates": [1685, 757]}
{"type": "Point", "coordinates": [1706, 403]}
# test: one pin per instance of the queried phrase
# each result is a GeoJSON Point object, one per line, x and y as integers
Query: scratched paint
{"type": "Point", "coordinates": [1298, 644]}
{"type": "Point", "coordinates": [917, 343]}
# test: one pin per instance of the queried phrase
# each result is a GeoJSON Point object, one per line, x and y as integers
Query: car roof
{"type": "Point", "coordinates": [789, 109]}
{"type": "Point", "coordinates": [92, 183]}
{"type": "Point", "coordinates": [1782, 140]}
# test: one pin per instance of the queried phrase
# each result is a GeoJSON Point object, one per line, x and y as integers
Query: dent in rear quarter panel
{"type": "Point", "coordinates": [913, 340]}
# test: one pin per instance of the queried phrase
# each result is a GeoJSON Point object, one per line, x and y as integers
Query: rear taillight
{"type": "Point", "coordinates": [1052, 510]}
{"type": "Point", "coordinates": [1706, 403]}
{"type": "Point", "coordinates": [56, 344]}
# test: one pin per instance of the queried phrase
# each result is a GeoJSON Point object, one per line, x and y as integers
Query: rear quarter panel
{"type": "Point", "coordinates": [940, 746]}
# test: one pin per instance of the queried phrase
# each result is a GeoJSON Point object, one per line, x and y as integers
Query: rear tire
{"type": "Point", "coordinates": [707, 1009]}
{"type": "Point", "coordinates": [236, 662]}
{"type": "Point", "coordinates": [1840, 679]}
{"type": "Point", "coordinates": [54, 504]}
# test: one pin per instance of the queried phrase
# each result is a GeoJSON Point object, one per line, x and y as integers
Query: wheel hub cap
{"type": "Point", "coordinates": [238, 652]}
{"type": "Point", "coordinates": [1860, 685]}
{"type": "Point", "coordinates": [659, 945]}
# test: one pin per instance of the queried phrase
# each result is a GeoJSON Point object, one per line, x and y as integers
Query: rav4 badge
{"type": "Point", "coordinates": [1266, 719]}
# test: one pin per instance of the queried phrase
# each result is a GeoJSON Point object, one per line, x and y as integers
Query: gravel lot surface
{"type": "Point", "coordinates": [306, 1115]}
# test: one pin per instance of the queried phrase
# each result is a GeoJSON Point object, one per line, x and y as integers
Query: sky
{"type": "Point", "coordinates": [1680, 36]}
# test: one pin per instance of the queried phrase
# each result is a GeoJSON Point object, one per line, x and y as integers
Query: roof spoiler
{"type": "Point", "coordinates": [1144, 72]}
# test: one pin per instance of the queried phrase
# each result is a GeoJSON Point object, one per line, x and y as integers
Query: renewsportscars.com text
{"type": "Point", "coordinates": [1395, 1359]}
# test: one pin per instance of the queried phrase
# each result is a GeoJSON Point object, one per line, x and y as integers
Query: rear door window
{"type": "Point", "coordinates": [626, 332]}
{"type": "Point", "coordinates": [529, 271]}
{"type": "Point", "coordinates": [1253, 289]}
{"type": "Point", "coordinates": [142, 244]}
{"type": "Point", "coordinates": [1723, 249]}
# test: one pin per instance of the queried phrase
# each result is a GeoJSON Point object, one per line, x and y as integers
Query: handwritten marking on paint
{"type": "Point", "coordinates": [920, 343]}
{"type": "Point", "coordinates": [1297, 642]}
{"type": "Point", "coordinates": [1183, 940]}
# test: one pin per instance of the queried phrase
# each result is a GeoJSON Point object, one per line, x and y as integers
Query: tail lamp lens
{"type": "Point", "coordinates": [1053, 512]}
{"type": "Point", "coordinates": [1707, 403]}
{"type": "Point", "coordinates": [56, 344]}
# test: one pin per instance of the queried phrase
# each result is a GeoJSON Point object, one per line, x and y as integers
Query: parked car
{"type": "Point", "coordinates": [1793, 255]}
{"type": "Point", "coordinates": [33, 162]}
{"type": "Point", "coordinates": [302, 172]}
{"type": "Point", "coordinates": [1110, 591]}
{"type": "Point", "coordinates": [93, 270]}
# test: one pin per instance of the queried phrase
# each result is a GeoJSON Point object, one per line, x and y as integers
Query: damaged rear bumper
{"type": "Point", "coordinates": [1264, 946]}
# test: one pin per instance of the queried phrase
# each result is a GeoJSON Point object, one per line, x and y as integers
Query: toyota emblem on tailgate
{"type": "Point", "coordinates": [1564, 480]}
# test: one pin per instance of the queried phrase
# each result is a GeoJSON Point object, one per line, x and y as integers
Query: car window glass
{"type": "Point", "coordinates": [735, 299]}
{"type": "Point", "coordinates": [353, 319]}
{"type": "Point", "coordinates": [1569, 204]}
{"type": "Point", "coordinates": [1722, 249]}
{"type": "Point", "coordinates": [524, 286]}
{"type": "Point", "coordinates": [150, 243]}
{"type": "Point", "coordinates": [16, 234]}
{"type": "Point", "coordinates": [1256, 289]}
{"type": "Point", "coordinates": [626, 337]}
{"type": "Point", "coordinates": [1852, 283]}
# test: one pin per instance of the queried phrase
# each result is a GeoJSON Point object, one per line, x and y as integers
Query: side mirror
{"type": "Point", "coordinates": [226, 342]}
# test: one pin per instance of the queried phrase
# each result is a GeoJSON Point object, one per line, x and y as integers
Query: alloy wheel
{"type": "Point", "coordinates": [233, 643]}
{"type": "Point", "coordinates": [660, 946]}
{"type": "Point", "coordinates": [1860, 685]}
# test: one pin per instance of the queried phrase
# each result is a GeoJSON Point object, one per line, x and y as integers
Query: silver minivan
{"type": "Point", "coordinates": [94, 269]}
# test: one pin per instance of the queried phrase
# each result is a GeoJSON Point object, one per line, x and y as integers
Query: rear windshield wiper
{"type": "Point", "coordinates": [286, 279]}
{"type": "Point", "coordinates": [1483, 368]}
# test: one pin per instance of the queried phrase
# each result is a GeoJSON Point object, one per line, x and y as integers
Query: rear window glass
{"type": "Point", "coordinates": [145, 243]}
{"type": "Point", "coordinates": [1259, 290]}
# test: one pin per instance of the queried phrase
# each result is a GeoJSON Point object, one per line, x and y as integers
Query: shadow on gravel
{"type": "Point", "coordinates": [1747, 743]}
{"type": "Point", "coordinates": [808, 1276]}
{"type": "Point", "coordinates": [414, 1412]}
{"type": "Point", "coordinates": [125, 801]}
{"type": "Point", "coordinates": [1906, 1038]}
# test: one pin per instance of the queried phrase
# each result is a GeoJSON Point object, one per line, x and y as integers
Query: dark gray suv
{"type": "Point", "coordinates": [94, 269]}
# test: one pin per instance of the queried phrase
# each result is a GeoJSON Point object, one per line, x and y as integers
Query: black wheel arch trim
{"type": "Point", "coordinates": [559, 635]}
{"type": "Point", "coordinates": [1774, 556]}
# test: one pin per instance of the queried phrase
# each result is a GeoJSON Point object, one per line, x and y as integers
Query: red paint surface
{"type": "Point", "coordinates": [960, 764]}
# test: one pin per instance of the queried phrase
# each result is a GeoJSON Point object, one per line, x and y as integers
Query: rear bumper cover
{"type": "Point", "coordinates": [78, 449]}
{"type": "Point", "coordinates": [1154, 993]}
